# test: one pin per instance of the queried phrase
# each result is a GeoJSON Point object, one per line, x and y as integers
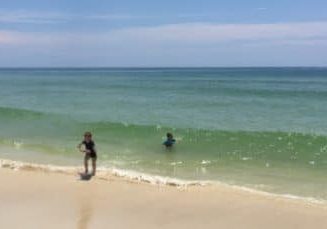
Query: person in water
{"type": "Point", "coordinates": [89, 152]}
{"type": "Point", "coordinates": [170, 141]}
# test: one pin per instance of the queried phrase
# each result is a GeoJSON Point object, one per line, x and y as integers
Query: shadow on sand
{"type": "Point", "coordinates": [85, 176]}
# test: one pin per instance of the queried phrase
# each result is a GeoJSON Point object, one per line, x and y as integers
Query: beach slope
{"type": "Point", "coordinates": [31, 199]}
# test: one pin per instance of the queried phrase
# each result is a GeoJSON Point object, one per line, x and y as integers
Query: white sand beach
{"type": "Point", "coordinates": [36, 199]}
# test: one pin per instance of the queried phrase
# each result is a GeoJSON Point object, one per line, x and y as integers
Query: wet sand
{"type": "Point", "coordinates": [36, 199]}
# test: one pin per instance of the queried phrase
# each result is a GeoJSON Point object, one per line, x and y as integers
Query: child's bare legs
{"type": "Point", "coordinates": [86, 164]}
{"type": "Point", "coordinates": [94, 166]}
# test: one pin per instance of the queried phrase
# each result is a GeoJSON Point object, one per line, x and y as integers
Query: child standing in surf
{"type": "Point", "coordinates": [87, 146]}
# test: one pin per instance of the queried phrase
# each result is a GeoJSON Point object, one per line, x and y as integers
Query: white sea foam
{"type": "Point", "coordinates": [18, 144]}
{"type": "Point", "coordinates": [103, 173]}
{"type": "Point", "coordinates": [204, 162]}
{"type": "Point", "coordinates": [176, 163]}
{"type": "Point", "coordinates": [246, 158]}
{"type": "Point", "coordinates": [107, 173]}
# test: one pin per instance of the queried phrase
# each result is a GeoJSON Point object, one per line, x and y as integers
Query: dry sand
{"type": "Point", "coordinates": [34, 199]}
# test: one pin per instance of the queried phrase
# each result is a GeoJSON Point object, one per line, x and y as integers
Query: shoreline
{"type": "Point", "coordinates": [32, 199]}
{"type": "Point", "coordinates": [152, 180]}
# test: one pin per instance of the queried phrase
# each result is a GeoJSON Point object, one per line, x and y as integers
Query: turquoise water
{"type": "Point", "coordinates": [263, 128]}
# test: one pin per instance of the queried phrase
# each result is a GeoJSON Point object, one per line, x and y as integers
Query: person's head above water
{"type": "Point", "coordinates": [169, 135]}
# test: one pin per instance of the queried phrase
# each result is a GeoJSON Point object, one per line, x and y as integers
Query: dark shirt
{"type": "Point", "coordinates": [90, 146]}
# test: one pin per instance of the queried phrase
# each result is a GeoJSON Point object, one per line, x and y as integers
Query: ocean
{"type": "Point", "coordinates": [259, 128]}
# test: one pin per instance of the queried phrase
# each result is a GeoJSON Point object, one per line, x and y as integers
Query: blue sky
{"type": "Point", "coordinates": [163, 33]}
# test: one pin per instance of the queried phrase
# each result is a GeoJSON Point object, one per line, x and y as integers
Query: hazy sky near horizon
{"type": "Point", "coordinates": [163, 33]}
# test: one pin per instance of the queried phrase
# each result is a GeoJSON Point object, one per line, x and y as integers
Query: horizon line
{"type": "Point", "coordinates": [154, 67]}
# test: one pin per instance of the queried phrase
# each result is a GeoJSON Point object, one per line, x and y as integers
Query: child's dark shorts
{"type": "Point", "coordinates": [91, 155]}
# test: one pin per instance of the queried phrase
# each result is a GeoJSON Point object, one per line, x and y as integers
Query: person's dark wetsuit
{"type": "Point", "coordinates": [90, 146]}
{"type": "Point", "coordinates": [169, 142]}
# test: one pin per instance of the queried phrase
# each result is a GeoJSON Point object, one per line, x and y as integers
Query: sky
{"type": "Point", "coordinates": [170, 33]}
